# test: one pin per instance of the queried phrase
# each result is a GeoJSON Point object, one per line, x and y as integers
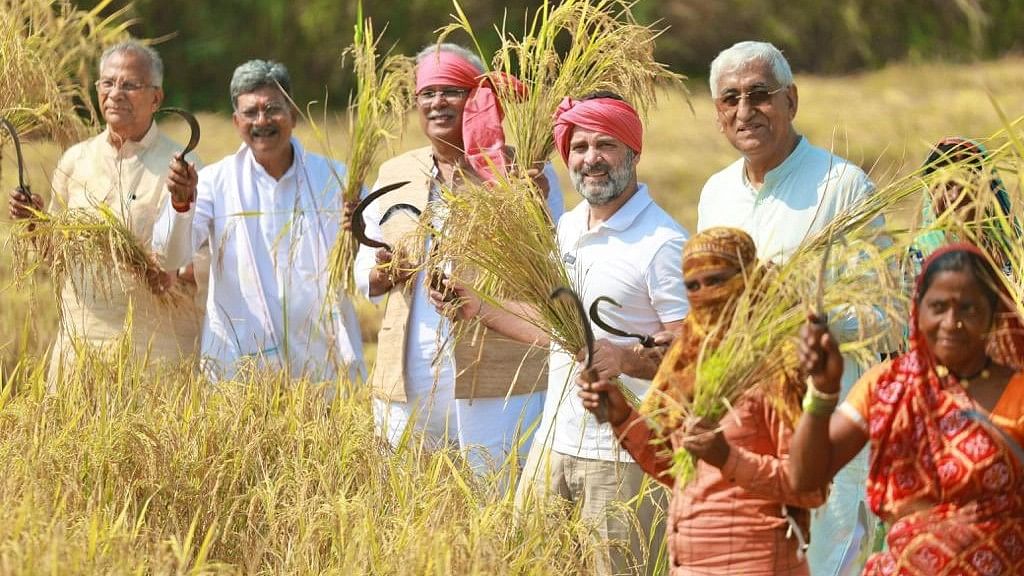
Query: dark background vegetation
{"type": "Point", "coordinates": [206, 39]}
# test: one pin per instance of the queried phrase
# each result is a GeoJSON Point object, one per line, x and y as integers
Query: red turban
{"type": "Point", "coordinates": [482, 135]}
{"type": "Point", "coordinates": [606, 115]}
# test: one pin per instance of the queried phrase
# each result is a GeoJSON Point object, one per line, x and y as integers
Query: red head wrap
{"type": "Point", "coordinates": [482, 135]}
{"type": "Point", "coordinates": [606, 115]}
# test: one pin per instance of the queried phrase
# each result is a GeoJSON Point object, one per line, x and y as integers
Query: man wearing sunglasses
{"type": "Point", "coordinates": [481, 395]}
{"type": "Point", "coordinates": [129, 168]}
{"type": "Point", "coordinates": [269, 214]}
{"type": "Point", "coordinates": [782, 190]}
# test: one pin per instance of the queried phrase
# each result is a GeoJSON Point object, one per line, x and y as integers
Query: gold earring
{"type": "Point", "coordinates": [959, 324]}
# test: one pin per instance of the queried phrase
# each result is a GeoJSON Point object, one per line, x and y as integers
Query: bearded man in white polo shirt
{"type": "Point", "coordinates": [618, 243]}
{"type": "Point", "coordinates": [782, 190]}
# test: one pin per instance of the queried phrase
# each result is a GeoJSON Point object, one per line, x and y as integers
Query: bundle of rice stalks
{"type": "Point", "coordinates": [501, 241]}
{"type": "Point", "coordinates": [88, 246]}
{"type": "Point", "coordinates": [570, 49]}
{"type": "Point", "coordinates": [756, 345]}
{"type": "Point", "coordinates": [384, 92]}
{"type": "Point", "coordinates": [47, 50]}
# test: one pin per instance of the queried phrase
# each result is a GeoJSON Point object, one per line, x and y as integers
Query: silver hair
{"type": "Point", "coordinates": [156, 64]}
{"type": "Point", "coordinates": [256, 74]}
{"type": "Point", "coordinates": [742, 53]}
{"type": "Point", "coordinates": [454, 49]}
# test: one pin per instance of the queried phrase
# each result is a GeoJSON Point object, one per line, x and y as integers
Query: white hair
{"type": "Point", "coordinates": [454, 49]}
{"type": "Point", "coordinates": [156, 64]}
{"type": "Point", "coordinates": [743, 53]}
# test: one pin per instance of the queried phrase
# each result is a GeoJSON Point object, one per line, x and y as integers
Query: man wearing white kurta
{"type": "Point", "coordinates": [482, 397]}
{"type": "Point", "coordinates": [783, 190]}
{"type": "Point", "coordinates": [270, 214]}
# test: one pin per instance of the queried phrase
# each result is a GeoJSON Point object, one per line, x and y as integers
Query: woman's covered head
{"type": "Point", "coordinates": [714, 262]}
{"type": "Point", "coordinates": [957, 299]}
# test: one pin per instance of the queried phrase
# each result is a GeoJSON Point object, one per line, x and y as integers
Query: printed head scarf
{"type": "Point", "coordinates": [973, 155]}
{"type": "Point", "coordinates": [709, 316]}
{"type": "Point", "coordinates": [910, 421]}
{"type": "Point", "coordinates": [605, 115]}
{"type": "Point", "coordinates": [482, 135]}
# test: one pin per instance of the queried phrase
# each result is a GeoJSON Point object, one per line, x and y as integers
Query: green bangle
{"type": "Point", "coordinates": [815, 405]}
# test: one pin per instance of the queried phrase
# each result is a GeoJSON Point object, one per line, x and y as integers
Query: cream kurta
{"type": "Point", "coordinates": [132, 182]}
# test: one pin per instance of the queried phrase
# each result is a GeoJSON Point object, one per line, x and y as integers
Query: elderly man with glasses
{"type": "Point", "coordinates": [782, 190]}
{"type": "Point", "coordinates": [133, 169]}
{"type": "Point", "coordinates": [270, 215]}
{"type": "Point", "coordinates": [484, 395]}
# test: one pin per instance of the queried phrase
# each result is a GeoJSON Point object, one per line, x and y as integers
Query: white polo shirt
{"type": "Point", "coordinates": [635, 257]}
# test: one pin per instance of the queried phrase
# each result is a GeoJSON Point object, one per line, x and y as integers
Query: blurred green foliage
{"type": "Point", "coordinates": [206, 39]}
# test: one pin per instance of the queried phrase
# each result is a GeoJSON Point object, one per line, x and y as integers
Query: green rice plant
{"type": "Point", "coordinates": [569, 49]}
{"type": "Point", "coordinates": [384, 93]}
{"type": "Point", "coordinates": [87, 245]}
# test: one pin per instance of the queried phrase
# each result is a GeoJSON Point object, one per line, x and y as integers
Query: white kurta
{"type": "Point", "coordinates": [487, 429]}
{"type": "Point", "coordinates": [270, 241]}
{"type": "Point", "coordinates": [797, 200]}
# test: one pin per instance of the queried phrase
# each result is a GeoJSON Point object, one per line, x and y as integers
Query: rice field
{"type": "Point", "coordinates": [134, 470]}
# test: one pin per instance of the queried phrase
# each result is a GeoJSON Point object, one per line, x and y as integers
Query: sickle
{"type": "Point", "coordinates": [400, 207]}
{"type": "Point", "coordinates": [193, 125]}
{"type": "Point", "coordinates": [563, 293]}
{"type": "Point", "coordinates": [359, 227]}
{"type": "Point", "coordinates": [21, 159]}
{"type": "Point", "coordinates": [645, 340]}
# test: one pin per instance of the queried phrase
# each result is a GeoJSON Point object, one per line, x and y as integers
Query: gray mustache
{"type": "Point", "coordinates": [260, 131]}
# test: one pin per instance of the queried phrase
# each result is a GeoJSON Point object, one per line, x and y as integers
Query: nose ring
{"type": "Point", "coordinates": [959, 324]}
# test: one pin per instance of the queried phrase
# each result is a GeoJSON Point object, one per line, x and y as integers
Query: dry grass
{"type": "Point", "coordinates": [383, 95]}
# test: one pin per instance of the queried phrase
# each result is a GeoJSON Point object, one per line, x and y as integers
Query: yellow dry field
{"type": "Point", "coordinates": [129, 470]}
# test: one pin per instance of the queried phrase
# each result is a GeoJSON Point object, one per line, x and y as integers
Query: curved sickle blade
{"type": "Point", "coordinates": [400, 207]}
{"type": "Point", "coordinates": [359, 227]}
{"type": "Point", "coordinates": [17, 152]}
{"type": "Point", "coordinates": [588, 333]}
{"type": "Point", "coordinates": [193, 125]}
{"type": "Point", "coordinates": [595, 317]}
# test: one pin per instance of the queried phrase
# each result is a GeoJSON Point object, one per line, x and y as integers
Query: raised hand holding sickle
{"type": "Point", "coordinates": [22, 199]}
{"type": "Point", "coordinates": [183, 178]}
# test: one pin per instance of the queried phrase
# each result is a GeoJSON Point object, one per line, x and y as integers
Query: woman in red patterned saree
{"type": "Point", "coordinates": [945, 422]}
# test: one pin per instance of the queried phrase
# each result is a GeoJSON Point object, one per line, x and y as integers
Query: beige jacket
{"type": "Point", "coordinates": [487, 365]}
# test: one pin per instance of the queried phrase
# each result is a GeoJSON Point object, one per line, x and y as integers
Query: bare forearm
{"type": "Point", "coordinates": [514, 320]}
{"type": "Point", "coordinates": [810, 454]}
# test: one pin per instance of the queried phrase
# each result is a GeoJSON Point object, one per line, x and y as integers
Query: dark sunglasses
{"type": "Point", "coordinates": [758, 96]}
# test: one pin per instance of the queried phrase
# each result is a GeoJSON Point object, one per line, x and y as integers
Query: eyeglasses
{"type": "Point", "coordinates": [106, 85]}
{"type": "Point", "coordinates": [427, 96]}
{"type": "Point", "coordinates": [757, 96]}
{"type": "Point", "coordinates": [270, 111]}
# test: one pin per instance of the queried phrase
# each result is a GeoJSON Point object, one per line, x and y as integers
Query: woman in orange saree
{"type": "Point", "coordinates": [945, 422]}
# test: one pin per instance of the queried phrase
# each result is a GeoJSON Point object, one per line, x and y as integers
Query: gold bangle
{"type": "Point", "coordinates": [813, 391]}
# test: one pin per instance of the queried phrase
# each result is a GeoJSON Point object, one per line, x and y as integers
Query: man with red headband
{"type": "Point", "coordinates": [620, 244]}
{"type": "Point", "coordinates": [479, 395]}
